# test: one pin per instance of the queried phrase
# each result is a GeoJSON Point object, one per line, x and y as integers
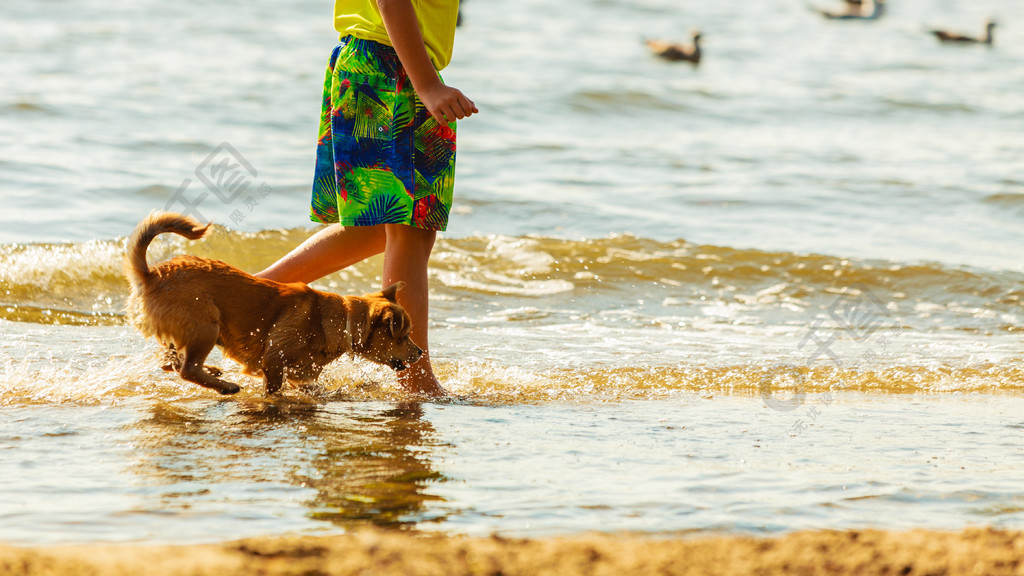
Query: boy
{"type": "Point", "coordinates": [386, 154]}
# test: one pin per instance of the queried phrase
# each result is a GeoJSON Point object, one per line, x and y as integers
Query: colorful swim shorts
{"type": "Point", "coordinates": [381, 157]}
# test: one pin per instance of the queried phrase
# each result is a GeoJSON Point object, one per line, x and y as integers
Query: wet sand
{"type": "Point", "coordinates": [864, 553]}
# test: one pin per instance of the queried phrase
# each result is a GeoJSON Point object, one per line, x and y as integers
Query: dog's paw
{"type": "Point", "coordinates": [213, 370]}
{"type": "Point", "coordinates": [229, 388]}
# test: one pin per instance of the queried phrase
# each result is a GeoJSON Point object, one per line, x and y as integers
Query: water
{"type": "Point", "coordinates": [778, 292]}
{"type": "Point", "coordinates": [207, 470]}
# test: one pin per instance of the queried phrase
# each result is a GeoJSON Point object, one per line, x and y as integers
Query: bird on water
{"type": "Point", "coordinates": [678, 52]}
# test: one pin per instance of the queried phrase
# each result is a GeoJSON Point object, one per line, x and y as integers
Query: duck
{"type": "Point", "coordinates": [954, 38]}
{"type": "Point", "coordinates": [678, 52]}
{"type": "Point", "coordinates": [856, 10]}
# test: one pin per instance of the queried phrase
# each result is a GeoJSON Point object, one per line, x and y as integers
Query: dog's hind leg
{"type": "Point", "coordinates": [173, 362]}
{"type": "Point", "coordinates": [195, 352]}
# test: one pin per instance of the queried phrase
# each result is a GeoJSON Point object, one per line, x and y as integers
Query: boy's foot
{"type": "Point", "coordinates": [421, 381]}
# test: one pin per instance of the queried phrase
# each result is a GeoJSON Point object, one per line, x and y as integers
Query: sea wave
{"type": "Point", "coordinates": [83, 283]}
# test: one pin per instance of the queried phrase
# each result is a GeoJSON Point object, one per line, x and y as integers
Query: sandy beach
{"type": "Point", "coordinates": [869, 552]}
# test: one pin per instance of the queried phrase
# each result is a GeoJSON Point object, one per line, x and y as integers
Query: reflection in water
{"type": "Point", "coordinates": [375, 468]}
{"type": "Point", "coordinates": [363, 463]}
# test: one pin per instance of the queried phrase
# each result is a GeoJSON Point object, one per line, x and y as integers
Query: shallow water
{"type": "Point", "coordinates": [204, 470]}
{"type": "Point", "coordinates": [780, 291]}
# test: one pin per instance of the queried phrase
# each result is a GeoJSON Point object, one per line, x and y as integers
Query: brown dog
{"type": "Point", "coordinates": [282, 331]}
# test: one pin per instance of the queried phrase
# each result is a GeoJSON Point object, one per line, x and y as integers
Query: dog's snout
{"type": "Point", "coordinates": [415, 353]}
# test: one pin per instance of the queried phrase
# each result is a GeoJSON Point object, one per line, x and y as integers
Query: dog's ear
{"type": "Point", "coordinates": [399, 324]}
{"type": "Point", "coordinates": [391, 292]}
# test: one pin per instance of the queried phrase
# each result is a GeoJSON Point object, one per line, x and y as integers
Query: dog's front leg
{"type": "Point", "coordinates": [273, 370]}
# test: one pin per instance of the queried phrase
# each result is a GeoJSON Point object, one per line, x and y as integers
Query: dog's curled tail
{"type": "Point", "coordinates": [136, 266]}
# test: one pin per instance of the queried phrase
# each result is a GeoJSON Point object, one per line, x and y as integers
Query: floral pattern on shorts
{"type": "Point", "coordinates": [381, 157]}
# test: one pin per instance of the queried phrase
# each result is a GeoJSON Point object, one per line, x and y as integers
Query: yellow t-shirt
{"type": "Point", "coordinates": [361, 18]}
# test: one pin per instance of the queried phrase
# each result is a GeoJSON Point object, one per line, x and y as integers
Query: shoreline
{"type": "Point", "coordinates": [985, 551]}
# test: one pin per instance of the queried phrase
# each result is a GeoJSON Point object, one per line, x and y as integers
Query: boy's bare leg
{"type": "Point", "coordinates": [329, 250]}
{"type": "Point", "coordinates": [405, 258]}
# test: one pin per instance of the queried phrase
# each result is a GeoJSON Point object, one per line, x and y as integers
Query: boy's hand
{"type": "Point", "coordinates": [447, 104]}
